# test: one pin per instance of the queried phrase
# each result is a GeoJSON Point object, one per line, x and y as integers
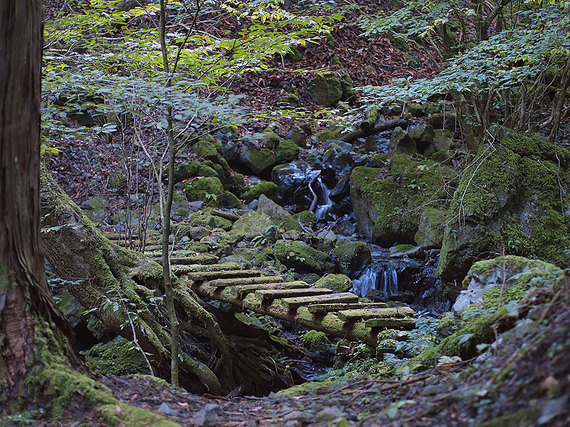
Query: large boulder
{"type": "Point", "coordinates": [257, 160]}
{"type": "Point", "coordinates": [301, 257]}
{"type": "Point", "coordinates": [511, 199]}
{"type": "Point", "coordinates": [325, 90]}
{"type": "Point", "coordinates": [252, 224]}
{"type": "Point", "coordinates": [389, 202]}
{"type": "Point", "coordinates": [508, 276]}
{"type": "Point", "coordinates": [273, 210]}
{"type": "Point", "coordinates": [337, 282]}
{"type": "Point", "coordinates": [350, 257]}
{"type": "Point", "coordinates": [208, 189]}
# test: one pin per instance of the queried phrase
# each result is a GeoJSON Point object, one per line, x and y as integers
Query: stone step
{"type": "Point", "coordinates": [193, 259]}
{"type": "Point", "coordinates": [331, 308]}
{"type": "Point", "coordinates": [189, 268]}
{"type": "Point", "coordinates": [364, 314]}
{"type": "Point", "coordinates": [267, 296]}
{"type": "Point", "coordinates": [293, 303]}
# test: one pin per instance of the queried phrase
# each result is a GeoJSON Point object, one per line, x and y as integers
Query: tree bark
{"type": "Point", "coordinates": [24, 293]}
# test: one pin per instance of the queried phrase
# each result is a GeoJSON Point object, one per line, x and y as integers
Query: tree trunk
{"type": "Point", "coordinates": [24, 293]}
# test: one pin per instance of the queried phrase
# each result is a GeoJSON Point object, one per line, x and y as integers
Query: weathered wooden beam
{"type": "Point", "coordinates": [269, 295]}
{"type": "Point", "coordinates": [328, 308]}
{"type": "Point", "coordinates": [294, 303]}
{"type": "Point", "coordinates": [201, 276]}
{"type": "Point", "coordinates": [370, 313]}
{"type": "Point", "coordinates": [227, 215]}
{"type": "Point", "coordinates": [189, 268]}
{"type": "Point", "coordinates": [220, 283]}
{"type": "Point", "coordinates": [195, 259]}
{"type": "Point", "coordinates": [243, 290]}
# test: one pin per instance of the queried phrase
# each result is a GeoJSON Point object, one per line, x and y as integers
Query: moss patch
{"type": "Point", "coordinates": [264, 187]}
{"type": "Point", "coordinates": [118, 356]}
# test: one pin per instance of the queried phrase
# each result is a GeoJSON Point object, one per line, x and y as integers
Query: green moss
{"type": "Point", "coordinates": [351, 256]}
{"type": "Point", "coordinates": [325, 90]}
{"type": "Point", "coordinates": [337, 282]}
{"type": "Point", "coordinates": [316, 341]}
{"type": "Point", "coordinates": [259, 159]}
{"type": "Point", "coordinates": [305, 218]}
{"type": "Point", "coordinates": [208, 220]}
{"type": "Point", "coordinates": [264, 187]}
{"type": "Point", "coordinates": [508, 200]}
{"type": "Point", "coordinates": [118, 356]}
{"type": "Point", "coordinates": [207, 189]}
{"type": "Point", "coordinates": [287, 151]}
{"type": "Point", "coordinates": [331, 133]}
{"type": "Point", "coordinates": [229, 200]}
{"type": "Point", "coordinates": [301, 257]}
{"type": "Point", "coordinates": [389, 202]}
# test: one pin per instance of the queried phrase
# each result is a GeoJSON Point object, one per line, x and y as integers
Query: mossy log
{"type": "Point", "coordinates": [112, 278]}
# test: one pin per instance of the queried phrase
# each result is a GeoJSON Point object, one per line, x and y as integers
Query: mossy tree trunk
{"type": "Point", "coordinates": [25, 298]}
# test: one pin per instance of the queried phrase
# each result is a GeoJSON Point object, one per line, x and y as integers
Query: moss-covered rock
{"type": "Point", "coordinates": [501, 280]}
{"type": "Point", "coordinates": [337, 282]}
{"type": "Point", "coordinates": [301, 257]}
{"type": "Point", "coordinates": [267, 188]}
{"type": "Point", "coordinates": [118, 356]}
{"type": "Point", "coordinates": [286, 151]}
{"type": "Point", "coordinates": [206, 219]}
{"type": "Point", "coordinates": [351, 256]}
{"type": "Point", "coordinates": [268, 207]}
{"type": "Point", "coordinates": [430, 228]}
{"type": "Point", "coordinates": [301, 220]}
{"type": "Point", "coordinates": [208, 189]}
{"type": "Point", "coordinates": [389, 202]}
{"type": "Point", "coordinates": [252, 224]}
{"type": "Point", "coordinates": [511, 199]}
{"type": "Point", "coordinates": [193, 169]}
{"type": "Point", "coordinates": [316, 341]}
{"type": "Point", "coordinates": [230, 200]}
{"type": "Point", "coordinates": [325, 90]}
{"type": "Point", "coordinates": [401, 142]}
{"type": "Point", "coordinates": [258, 160]}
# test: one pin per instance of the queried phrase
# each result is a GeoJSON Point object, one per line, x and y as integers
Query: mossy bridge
{"type": "Point", "coordinates": [342, 315]}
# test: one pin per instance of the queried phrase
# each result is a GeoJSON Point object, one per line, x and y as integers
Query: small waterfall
{"type": "Point", "coordinates": [380, 277]}
{"type": "Point", "coordinates": [324, 203]}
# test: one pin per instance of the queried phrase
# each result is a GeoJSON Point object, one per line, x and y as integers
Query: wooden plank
{"type": "Point", "coordinates": [391, 323]}
{"type": "Point", "coordinates": [332, 307]}
{"type": "Point", "coordinates": [363, 314]}
{"type": "Point", "coordinates": [193, 259]}
{"type": "Point", "coordinates": [211, 275]}
{"type": "Point", "coordinates": [270, 295]}
{"type": "Point", "coordinates": [294, 303]}
{"type": "Point", "coordinates": [221, 283]}
{"type": "Point", "coordinates": [243, 290]}
{"type": "Point", "coordinates": [188, 268]}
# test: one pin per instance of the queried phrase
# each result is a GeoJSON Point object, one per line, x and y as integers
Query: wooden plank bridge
{"type": "Point", "coordinates": [338, 314]}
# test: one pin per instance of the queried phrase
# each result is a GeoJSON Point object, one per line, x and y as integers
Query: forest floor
{"type": "Point", "coordinates": [515, 377]}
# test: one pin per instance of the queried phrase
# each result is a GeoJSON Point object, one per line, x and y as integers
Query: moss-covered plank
{"type": "Point", "coordinates": [370, 313]}
{"type": "Point", "coordinates": [295, 302]}
{"type": "Point", "coordinates": [194, 259]}
{"type": "Point", "coordinates": [243, 290]}
{"type": "Point", "coordinates": [391, 323]}
{"type": "Point", "coordinates": [220, 283]}
{"type": "Point", "coordinates": [201, 276]}
{"type": "Point", "coordinates": [332, 307]}
{"type": "Point", "coordinates": [189, 268]}
{"type": "Point", "coordinates": [227, 215]}
{"type": "Point", "coordinates": [272, 294]}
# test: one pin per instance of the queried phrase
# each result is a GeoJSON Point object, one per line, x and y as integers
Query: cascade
{"type": "Point", "coordinates": [382, 277]}
{"type": "Point", "coordinates": [324, 203]}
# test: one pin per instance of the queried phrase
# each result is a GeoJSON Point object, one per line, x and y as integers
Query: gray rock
{"type": "Point", "coordinates": [401, 142]}
{"type": "Point", "coordinates": [164, 409]}
{"type": "Point", "coordinates": [209, 415]}
{"type": "Point", "coordinates": [330, 413]}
